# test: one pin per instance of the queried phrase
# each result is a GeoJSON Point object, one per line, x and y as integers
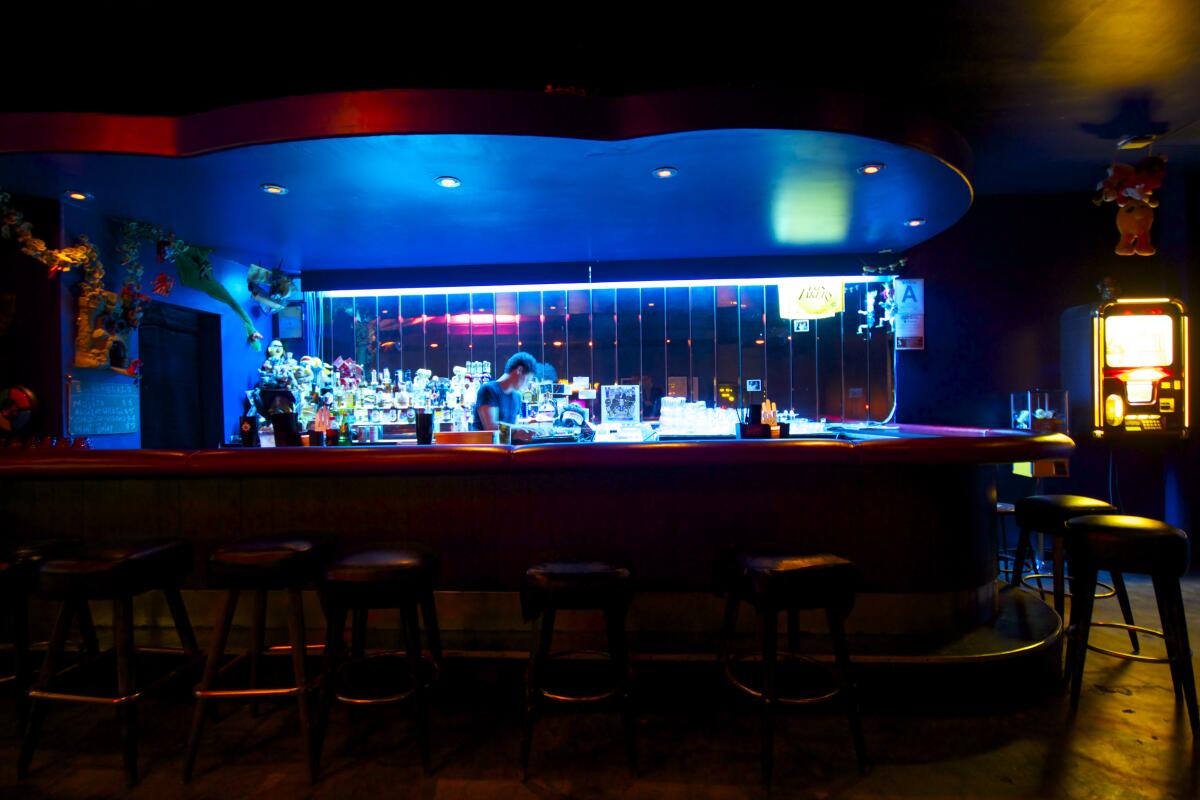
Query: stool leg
{"type": "Point", "coordinates": [335, 645]}
{"type": "Point", "coordinates": [1083, 601]}
{"type": "Point", "coordinates": [412, 648]}
{"type": "Point", "coordinates": [1178, 635]}
{"type": "Point", "coordinates": [433, 633]}
{"type": "Point", "coordinates": [1164, 614]}
{"type": "Point", "coordinates": [216, 650]}
{"type": "Point", "coordinates": [358, 634]}
{"type": "Point", "coordinates": [618, 647]}
{"type": "Point", "coordinates": [87, 631]}
{"type": "Point", "coordinates": [770, 646]}
{"type": "Point", "coordinates": [1019, 558]}
{"type": "Point", "coordinates": [1058, 547]}
{"type": "Point", "coordinates": [258, 636]}
{"type": "Point", "coordinates": [1118, 581]}
{"type": "Point", "coordinates": [728, 628]}
{"type": "Point", "coordinates": [126, 684]}
{"type": "Point", "coordinates": [183, 623]}
{"type": "Point", "coordinates": [37, 708]}
{"type": "Point", "coordinates": [539, 653]}
{"type": "Point", "coordinates": [841, 655]}
{"type": "Point", "coordinates": [22, 666]}
{"type": "Point", "coordinates": [299, 651]}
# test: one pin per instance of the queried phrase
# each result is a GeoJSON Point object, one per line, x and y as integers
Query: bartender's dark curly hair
{"type": "Point", "coordinates": [524, 360]}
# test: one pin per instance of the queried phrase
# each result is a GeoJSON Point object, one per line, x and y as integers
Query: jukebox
{"type": "Point", "coordinates": [1136, 383]}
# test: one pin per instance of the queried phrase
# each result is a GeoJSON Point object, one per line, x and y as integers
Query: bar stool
{"type": "Point", "coordinates": [1141, 546]}
{"type": "Point", "coordinates": [775, 583]}
{"type": "Point", "coordinates": [400, 577]}
{"type": "Point", "coordinates": [583, 585]}
{"type": "Point", "coordinates": [18, 581]}
{"type": "Point", "coordinates": [1048, 514]}
{"type": "Point", "coordinates": [285, 563]}
{"type": "Point", "coordinates": [116, 572]}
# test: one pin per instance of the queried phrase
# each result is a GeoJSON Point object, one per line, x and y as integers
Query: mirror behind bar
{"type": "Point", "coordinates": [701, 342]}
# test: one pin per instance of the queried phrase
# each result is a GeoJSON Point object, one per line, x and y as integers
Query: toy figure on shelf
{"type": "Point", "coordinates": [880, 311]}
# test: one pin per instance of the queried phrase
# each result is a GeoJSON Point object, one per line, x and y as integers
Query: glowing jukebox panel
{"type": "Point", "coordinates": [1139, 372]}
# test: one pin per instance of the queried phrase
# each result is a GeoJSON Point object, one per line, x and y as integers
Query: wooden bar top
{"type": "Point", "coordinates": [909, 444]}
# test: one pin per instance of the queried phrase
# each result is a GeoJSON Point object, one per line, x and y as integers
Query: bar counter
{"type": "Point", "coordinates": [914, 508]}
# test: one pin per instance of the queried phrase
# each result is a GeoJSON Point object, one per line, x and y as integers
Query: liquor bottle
{"type": "Point", "coordinates": [344, 432]}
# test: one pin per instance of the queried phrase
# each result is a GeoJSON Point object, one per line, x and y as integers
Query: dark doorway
{"type": "Point", "coordinates": [180, 350]}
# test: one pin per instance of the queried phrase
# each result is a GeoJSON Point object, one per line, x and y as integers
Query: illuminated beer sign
{"type": "Point", "coordinates": [811, 298]}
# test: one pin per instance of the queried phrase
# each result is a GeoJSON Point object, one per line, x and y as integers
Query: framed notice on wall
{"type": "Point", "coordinates": [102, 403]}
{"type": "Point", "coordinates": [910, 313]}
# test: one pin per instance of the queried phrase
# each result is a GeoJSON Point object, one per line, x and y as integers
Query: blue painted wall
{"type": "Point", "coordinates": [239, 361]}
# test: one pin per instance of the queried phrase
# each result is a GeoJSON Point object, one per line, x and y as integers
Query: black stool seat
{"type": "Point", "coordinates": [1131, 544]}
{"type": "Point", "coordinates": [19, 565]}
{"type": "Point", "coordinates": [1117, 542]}
{"type": "Point", "coordinates": [102, 571]}
{"type": "Point", "coordinates": [574, 583]}
{"type": "Point", "coordinates": [1048, 512]}
{"type": "Point", "coordinates": [772, 583]}
{"type": "Point", "coordinates": [277, 562]}
{"type": "Point", "coordinates": [410, 565]}
{"type": "Point", "coordinates": [794, 582]}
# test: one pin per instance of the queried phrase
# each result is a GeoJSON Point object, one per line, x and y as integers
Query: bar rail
{"type": "Point", "coordinates": [923, 444]}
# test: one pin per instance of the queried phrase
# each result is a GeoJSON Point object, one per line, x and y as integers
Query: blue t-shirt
{"type": "Point", "coordinates": [507, 404]}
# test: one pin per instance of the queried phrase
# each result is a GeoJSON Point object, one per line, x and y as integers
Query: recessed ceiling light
{"type": "Point", "coordinates": [448, 182]}
{"type": "Point", "coordinates": [871, 169]}
{"type": "Point", "coordinates": [665, 172]}
{"type": "Point", "coordinates": [76, 195]}
{"type": "Point", "coordinates": [274, 188]}
{"type": "Point", "coordinates": [915, 222]}
{"type": "Point", "coordinates": [433, 345]}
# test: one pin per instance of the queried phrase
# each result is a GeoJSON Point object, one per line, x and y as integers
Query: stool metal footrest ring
{"type": "Point", "coordinates": [1108, 592]}
{"type": "Point", "coordinates": [559, 697]}
{"type": "Point", "coordinates": [435, 674]}
{"type": "Point", "coordinates": [785, 701]}
{"type": "Point", "coordinates": [1129, 656]}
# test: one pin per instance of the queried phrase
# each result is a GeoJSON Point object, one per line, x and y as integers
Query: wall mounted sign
{"type": "Point", "coordinates": [910, 313]}
{"type": "Point", "coordinates": [102, 404]}
{"type": "Point", "coordinates": [811, 298]}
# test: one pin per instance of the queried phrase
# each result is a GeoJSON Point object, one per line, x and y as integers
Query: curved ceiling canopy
{"type": "Point", "coordinates": [542, 178]}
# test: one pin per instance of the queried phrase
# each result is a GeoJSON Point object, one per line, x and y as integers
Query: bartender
{"type": "Point", "coordinates": [500, 400]}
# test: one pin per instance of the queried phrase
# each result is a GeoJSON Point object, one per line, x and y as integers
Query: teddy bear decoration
{"type": "Point", "coordinates": [1132, 188]}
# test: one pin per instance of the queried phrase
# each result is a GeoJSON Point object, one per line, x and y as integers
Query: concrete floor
{"type": "Point", "coordinates": [697, 740]}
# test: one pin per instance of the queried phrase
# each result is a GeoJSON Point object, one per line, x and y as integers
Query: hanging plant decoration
{"type": "Point", "coordinates": [192, 263]}
{"type": "Point", "coordinates": [1132, 188]}
{"type": "Point", "coordinates": [13, 224]}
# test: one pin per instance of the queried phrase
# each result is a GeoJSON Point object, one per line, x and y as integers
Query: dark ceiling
{"type": "Point", "coordinates": [1041, 89]}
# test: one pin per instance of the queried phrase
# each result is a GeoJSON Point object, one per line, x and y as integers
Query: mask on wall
{"type": "Point", "coordinates": [95, 337]}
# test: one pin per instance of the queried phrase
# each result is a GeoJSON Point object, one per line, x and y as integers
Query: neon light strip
{"type": "Point", "coordinates": [1097, 366]}
{"type": "Point", "coordinates": [1187, 376]}
{"type": "Point", "coordinates": [550, 287]}
{"type": "Point", "coordinates": [1145, 300]}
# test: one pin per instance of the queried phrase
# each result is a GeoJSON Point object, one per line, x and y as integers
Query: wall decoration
{"type": "Point", "coordinates": [192, 263]}
{"type": "Point", "coordinates": [1132, 188]}
{"type": "Point", "coordinates": [13, 224]}
{"type": "Point", "coordinates": [620, 404]}
{"type": "Point", "coordinates": [270, 287]}
{"type": "Point", "coordinates": [18, 404]}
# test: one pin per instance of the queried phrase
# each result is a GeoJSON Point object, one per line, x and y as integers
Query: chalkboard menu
{"type": "Point", "coordinates": [102, 404]}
